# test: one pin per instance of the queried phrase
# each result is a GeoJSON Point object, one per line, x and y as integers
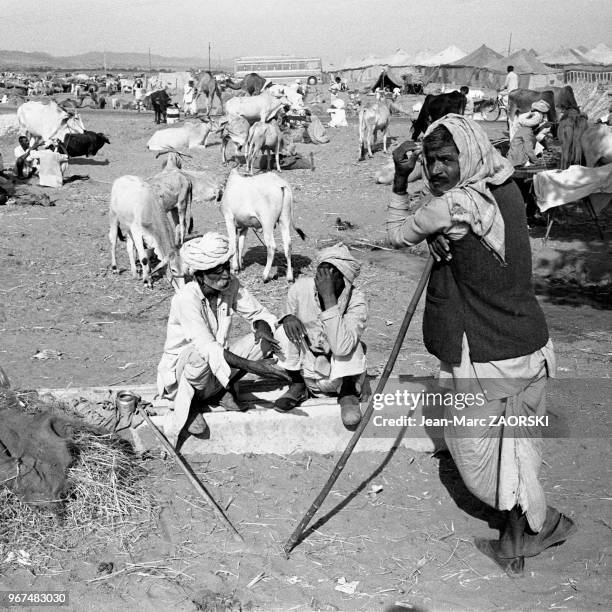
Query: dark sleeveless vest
{"type": "Point", "coordinates": [494, 305]}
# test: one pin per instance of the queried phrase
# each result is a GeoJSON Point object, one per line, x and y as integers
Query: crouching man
{"type": "Point", "coordinates": [320, 336]}
{"type": "Point", "coordinates": [196, 357]}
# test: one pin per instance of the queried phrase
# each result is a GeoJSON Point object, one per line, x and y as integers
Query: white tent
{"type": "Point", "coordinates": [601, 53]}
{"type": "Point", "coordinates": [446, 56]}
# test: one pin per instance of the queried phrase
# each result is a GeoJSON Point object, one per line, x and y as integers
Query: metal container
{"type": "Point", "coordinates": [126, 401]}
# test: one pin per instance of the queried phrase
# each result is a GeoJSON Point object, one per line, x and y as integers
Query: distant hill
{"type": "Point", "coordinates": [94, 60]}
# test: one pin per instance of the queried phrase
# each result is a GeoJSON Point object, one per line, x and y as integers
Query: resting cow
{"type": "Point", "coordinates": [188, 136]}
{"type": "Point", "coordinates": [259, 201]}
{"type": "Point", "coordinates": [373, 118]}
{"type": "Point", "coordinates": [47, 121]}
{"type": "Point", "coordinates": [436, 107]}
{"type": "Point", "coordinates": [88, 143]}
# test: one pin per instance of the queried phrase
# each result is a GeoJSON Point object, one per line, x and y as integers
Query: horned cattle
{"type": "Point", "coordinates": [373, 118]}
{"type": "Point", "coordinates": [188, 136]}
{"type": "Point", "coordinates": [47, 121]}
{"type": "Point", "coordinates": [262, 107]}
{"type": "Point", "coordinates": [261, 201]}
{"type": "Point", "coordinates": [136, 207]}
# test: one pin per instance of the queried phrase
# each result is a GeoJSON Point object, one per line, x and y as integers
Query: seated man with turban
{"type": "Point", "coordinates": [320, 335]}
{"type": "Point", "coordinates": [523, 148]}
{"type": "Point", "coordinates": [196, 355]}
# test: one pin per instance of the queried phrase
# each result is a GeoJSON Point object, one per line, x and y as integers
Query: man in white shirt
{"type": "Point", "coordinates": [25, 164]}
{"type": "Point", "coordinates": [197, 356]}
{"type": "Point", "coordinates": [51, 167]}
{"type": "Point", "coordinates": [510, 84]}
{"type": "Point", "coordinates": [189, 93]}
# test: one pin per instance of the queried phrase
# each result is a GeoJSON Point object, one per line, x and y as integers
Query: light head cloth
{"type": "Point", "coordinates": [207, 252]}
{"type": "Point", "coordinates": [531, 119]}
{"type": "Point", "coordinates": [340, 257]}
{"type": "Point", "coordinates": [541, 106]}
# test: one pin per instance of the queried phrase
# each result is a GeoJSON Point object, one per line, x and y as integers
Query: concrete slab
{"type": "Point", "coordinates": [314, 427]}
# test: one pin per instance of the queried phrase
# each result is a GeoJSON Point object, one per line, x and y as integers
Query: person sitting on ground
{"type": "Point", "coordinates": [197, 357]}
{"type": "Point", "coordinates": [484, 323]}
{"type": "Point", "coordinates": [25, 164]}
{"type": "Point", "coordinates": [51, 166]}
{"type": "Point", "coordinates": [320, 334]}
{"type": "Point", "coordinates": [469, 104]}
{"type": "Point", "coordinates": [336, 86]}
{"type": "Point", "coordinates": [522, 150]}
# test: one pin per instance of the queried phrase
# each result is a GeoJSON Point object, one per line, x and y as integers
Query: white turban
{"type": "Point", "coordinates": [541, 105]}
{"type": "Point", "coordinates": [207, 252]}
{"type": "Point", "coordinates": [531, 119]}
{"type": "Point", "coordinates": [340, 257]}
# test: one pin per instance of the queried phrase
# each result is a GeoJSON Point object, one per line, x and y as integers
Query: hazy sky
{"type": "Point", "coordinates": [331, 29]}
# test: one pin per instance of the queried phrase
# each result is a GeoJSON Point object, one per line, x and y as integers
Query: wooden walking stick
{"type": "Point", "coordinates": [199, 487]}
{"type": "Point", "coordinates": [295, 536]}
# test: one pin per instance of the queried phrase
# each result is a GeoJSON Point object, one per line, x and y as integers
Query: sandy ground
{"type": "Point", "coordinates": [412, 542]}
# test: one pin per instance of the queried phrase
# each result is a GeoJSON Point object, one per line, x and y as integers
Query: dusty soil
{"type": "Point", "coordinates": [412, 542]}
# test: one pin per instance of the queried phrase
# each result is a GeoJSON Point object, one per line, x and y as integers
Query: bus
{"type": "Point", "coordinates": [280, 68]}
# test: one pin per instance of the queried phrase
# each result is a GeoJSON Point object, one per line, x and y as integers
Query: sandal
{"type": "Point", "coordinates": [563, 528]}
{"type": "Point", "coordinates": [293, 397]}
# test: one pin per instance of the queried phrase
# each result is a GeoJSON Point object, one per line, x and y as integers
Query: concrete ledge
{"type": "Point", "coordinates": [314, 427]}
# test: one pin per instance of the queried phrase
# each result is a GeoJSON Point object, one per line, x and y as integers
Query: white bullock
{"type": "Point", "coordinates": [188, 136]}
{"type": "Point", "coordinates": [262, 107]}
{"type": "Point", "coordinates": [48, 121]}
{"type": "Point", "coordinates": [259, 201]}
{"type": "Point", "coordinates": [135, 206]}
{"type": "Point", "coordinates": [373, 118]}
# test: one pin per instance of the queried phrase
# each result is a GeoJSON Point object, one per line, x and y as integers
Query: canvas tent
{"type": "Point", "coordinates": [564, 57]}
{"type": "Point", "coordinates": [601, 54]}
{"type": "Point", "coordinates": [390, 78]}
{"type": "Point", "coordinates": [174, 81]}
{"type": "Point", "coordinates": [446, 56]}
{"type": "Point", "coordinates": [532, 72]}
{"type": "Point", "coordinates": [472, 69]}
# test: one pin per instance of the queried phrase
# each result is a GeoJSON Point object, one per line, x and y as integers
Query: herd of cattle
{"type": "Point", "coordinates": [254, 123]}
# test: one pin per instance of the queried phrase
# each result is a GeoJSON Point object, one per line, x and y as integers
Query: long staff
{"type": "Point", "coordinates": [199, 487]}
{"type": "Point", "coordinates": [295, 536]}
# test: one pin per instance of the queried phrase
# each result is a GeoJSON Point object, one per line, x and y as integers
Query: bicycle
{"type": "Point", "coordinates": [491, 109]}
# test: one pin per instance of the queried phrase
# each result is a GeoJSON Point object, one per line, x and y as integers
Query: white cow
{"type": "Point", "coordinates": [262, 107]}
{"type": "Point", "coordinates": [135, 206]}
{"type": "Point", "coordinates": [263, 137]}
{"type": "Point", "coordinates": [373, 118]}
{"type": "Point", "coordinates": [190, 135]}
{"type": "Point", "coordinates": [233, 129]}
{"type": "Point", "coordinates": [177, 189]}
{"type": "Point", "coordinates": [259, 201]}
{"type": "Point", "coordinates": [47, 121]}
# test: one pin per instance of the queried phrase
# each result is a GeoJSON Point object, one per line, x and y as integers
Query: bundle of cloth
{"type": "Point", "coordinates": [557, 187]}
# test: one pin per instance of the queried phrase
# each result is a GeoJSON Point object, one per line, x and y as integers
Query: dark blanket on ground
{"type": "Point", "coordinates": [35, 454]}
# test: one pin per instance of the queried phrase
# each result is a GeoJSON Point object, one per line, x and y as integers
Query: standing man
{"type": "Point", "coordinates": [510, 84]}
{"type": "Point", "coordinates": [320, 335]}
{"type": "Point", "coordinates": [197, 356]}
{"type": "Point", "coordinates": [483, 322]}
{"type": "Point", "coordinates": [189, 95]}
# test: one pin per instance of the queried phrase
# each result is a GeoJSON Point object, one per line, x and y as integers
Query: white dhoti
{"type": "Point", "coordinates": [322, 374]}
{"type": "Point", "coordinates": [338, 117]}
{"type": "Point", "coordinates": [194, 374]}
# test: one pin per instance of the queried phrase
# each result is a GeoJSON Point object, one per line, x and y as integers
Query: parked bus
{"type": "Point", "coordinates": [281, 69]}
